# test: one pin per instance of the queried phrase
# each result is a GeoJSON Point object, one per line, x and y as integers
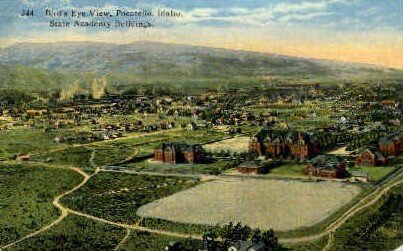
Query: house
{"type": "Point", "coordinates": [23, 157]}
{"type": "Point", "coordinates": [359, 176]}
{"type": "Point", "coordinates": [366, 157]}
{"type": "Point", "coordinates": [392, 145]}
{"type": "Point", "coordinates": [191, 126]}
{"type": "Point", "coordinates": [174, 152]}
{"type": "Point", "coordinates": [327, 166]}
{"type": "Point", "coordinates": [389, 103]}
{"type": "Point", "coordinates": [254, 146]}
{"type": "Point", "coordinates": [247, 246]}
{"type": "Point", "coordinates": [251, 167]}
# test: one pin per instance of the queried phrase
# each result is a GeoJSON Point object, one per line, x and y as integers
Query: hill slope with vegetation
{"type": "Point", "coordinates": [74, 65]}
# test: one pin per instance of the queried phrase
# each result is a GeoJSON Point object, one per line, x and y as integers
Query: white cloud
{"type": "Point", "coordinates": [302, 7]}
{"type": "Point", "coordinates": [262, 16]}
{"type": "Point", "coordinates": [307, 16]}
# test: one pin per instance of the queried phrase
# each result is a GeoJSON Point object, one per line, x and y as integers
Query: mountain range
{"type": "Point", "coordinates": [124, 65]}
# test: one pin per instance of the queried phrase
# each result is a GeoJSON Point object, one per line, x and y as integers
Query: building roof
{"type": "Point", "coordinates": [242, 245]}
{"type": "Point", "coordinates": [329, 162]}
{"type": "Point", "coordinates": [359, 174]}
{"type": "Point", "coordinates": [179, 146]}
{"type": "Point", "coordinates": [260, 246]}
{"type": "Point", "coordinates": [251, 164]}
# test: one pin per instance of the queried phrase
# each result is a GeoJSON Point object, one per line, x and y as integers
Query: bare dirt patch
{"type": "Point", "coordinates": [278, 204]}
{"type": "Point", "coordinates": [236, 144]}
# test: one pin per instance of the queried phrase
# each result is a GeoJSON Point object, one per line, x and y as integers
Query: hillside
{"type": "Point", "coordinates": [150, 62]}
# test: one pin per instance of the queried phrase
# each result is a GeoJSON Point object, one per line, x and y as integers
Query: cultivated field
{"type": "Point", "coordinates": [264, 204]}
{"type": "Point", "coordinates": [237, 144]}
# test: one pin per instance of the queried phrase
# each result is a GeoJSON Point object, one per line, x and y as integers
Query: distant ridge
{"type": "Point", "coordinates": [176, 64]}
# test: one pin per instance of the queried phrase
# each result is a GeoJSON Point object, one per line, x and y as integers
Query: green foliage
{"type": "Point", "coordinates": [117, 196]}
{"type": "Point", "coordinates": [26, 194]}
{"type": "Point", "coordinates": [72, 156]}
{"type": "Point", "coordinates": [316, 245]}
{"type": "Point", "coordinates": [14, 97]}
{"type": "Point", "coordinates": [25, 140]}
{"type": "Point", "coordinates": [231, 233]}
{"type": "Point", "coordinates": [75, 233]}
{"type": "Point", "coordinates": [376, 228]}
{"type": "Point", "coordinates": [173, 226]}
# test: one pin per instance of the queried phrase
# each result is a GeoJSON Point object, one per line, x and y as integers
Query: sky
{"type": "Point", "coordinates": [368, 31]}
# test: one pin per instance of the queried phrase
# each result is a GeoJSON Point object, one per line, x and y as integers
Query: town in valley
{"type": "Point", "coordinates": [271, 164]}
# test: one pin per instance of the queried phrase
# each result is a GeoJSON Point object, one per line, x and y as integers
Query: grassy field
{"type": "Point", "coordinates": [289, 171]}
{"type": "Point", "coordinates": [148, 119]}
{"type": "Point", "coordinates": [378, 227]}
{"type": "Point", "coordinates": [258, 203]}
{"type": "Point", "coordinates": [146, 241]}
{"type": "Point", "coordinates": [25, 140]}
{"type": "Point", "coordinates": [237, 144]}
{"type": "Point", "coordinates": [174, 226]}
{"type": "Point", "coordinates": [26, 194]}
{"type": "Point", "coordinates": [110, 155]}
{"type": "Point", "coordinates": [89, 156]}
{"type": "Point", "coordinates": [116, 196]}
{"type": "Point", "coordinates": [375, 172]}
{"type": "Point", "coordinates": [152, 166]}
{"type": "Point", "coordinates": [72, 156]}
{"type": "Point", "coordinates": [190, 137]}
{"type": "Point", "coordinates": [317, 245]}
{"type": "Point", "coordinates": [75, 233]}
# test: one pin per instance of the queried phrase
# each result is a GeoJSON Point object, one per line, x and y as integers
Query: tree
{"type": "Point", "coordinates": [232, 233]}
{"type": "Point", "coordinates": [256, 236]}
{"type": "Point", "coordinates": [269, 239]}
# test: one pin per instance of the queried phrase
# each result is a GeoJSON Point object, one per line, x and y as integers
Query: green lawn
{"type": "Point", "coordinates": [26, 140]}
{"type": "Point", "coordinates": [26, 195]}
{"type": "Point", "coordinates": [152, 166]}
{"type": "Point", "coordinates": [289, 171]}
{"type": "Point", "coordinates": [167, 225]}
{"type": "Point", "coordinates": [71, 156]}
{"type": "Point", "coordinates": [89, 156]}
{"type": "Point", "coordinates": [111, 155]}
{"type": "Point", "coordinates": [317, 245]}
{"type": "Point", "coordinates": [75, 233]}
{"type": "Point", "coordinates": [117, 196]}
{"type": "Point", "coordinates": [375, 172]}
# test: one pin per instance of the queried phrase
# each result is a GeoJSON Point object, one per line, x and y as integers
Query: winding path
{"type": "Point", "coordinates": [390, 182]}
{"type": "Point", "coordinates": [127, 236]}
{"type": "Point", "coordinates": [56, 202]}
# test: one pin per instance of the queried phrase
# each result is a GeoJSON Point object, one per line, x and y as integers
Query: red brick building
{"type": "Point", "coordinates": [254, 146]}
{"type": "Point", "coordinates": [277, 144]}
{"type": "Point", "coordinates": [173, 153]}
{"type": "Point", "coordinates": [366, 157]}
{"type": "Point", "coordinates": [251, 167]}
{"type": "Point", "coordinates": [327, 167]}
{"type": "Point", "coordinates": [391, 146]}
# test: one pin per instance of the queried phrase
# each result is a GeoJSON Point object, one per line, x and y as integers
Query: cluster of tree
{"type": "Point", "coordinates": [222, 237]}
{"type": "Point", "coordinates": [368, 138]}
{"type": "Point", "coordinates": [14, 97]}
{"type": "Point", "coordinates": [232, 233]}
